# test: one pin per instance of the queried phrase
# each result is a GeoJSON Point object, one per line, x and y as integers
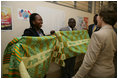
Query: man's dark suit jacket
{"type": "Point", "coordinates": [32, 32]}
{"type": "Point", "coordinates": [90, 29]}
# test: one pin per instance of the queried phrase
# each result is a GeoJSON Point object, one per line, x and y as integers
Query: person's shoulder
{"type": "Point", "coordinates": [91, 25]}
{"type": "Point", "coordinates": [28, 29]}
{"type": "Point", "coordinates": [27, 32]}
{"type": "Point", "coordinates": [100, 34]}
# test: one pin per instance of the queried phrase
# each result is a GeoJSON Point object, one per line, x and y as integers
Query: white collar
{"type": "Point", "coordinates": [70, 28]}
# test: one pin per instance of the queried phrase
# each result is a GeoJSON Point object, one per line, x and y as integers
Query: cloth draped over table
{"type": "Point", "coordinates": [30, 57]}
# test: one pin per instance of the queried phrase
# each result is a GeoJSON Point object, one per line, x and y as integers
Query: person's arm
{"type": "Point", "coordinates": [90, 58]}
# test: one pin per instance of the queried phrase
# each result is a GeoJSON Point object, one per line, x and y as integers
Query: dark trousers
{"type": "Point", "coordinates": [68, 70]}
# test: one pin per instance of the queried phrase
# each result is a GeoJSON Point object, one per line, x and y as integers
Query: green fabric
{"type": "Point", "coordinates": [22, 47]}
{"type": "Point", "coordinates": [69, 44]}
{"type": "Point", "coordinates": [37, 53]}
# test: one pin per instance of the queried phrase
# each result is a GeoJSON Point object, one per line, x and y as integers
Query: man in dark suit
{"type": "Point", "coordinates": [68, 70]}
{"type": "Point", "coordinates": [93, 27]}
{"type": "Point", "coordinates": [35, 26]}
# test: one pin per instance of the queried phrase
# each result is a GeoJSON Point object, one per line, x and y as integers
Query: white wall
{"type": "Point", "coordinates": [20, 25]}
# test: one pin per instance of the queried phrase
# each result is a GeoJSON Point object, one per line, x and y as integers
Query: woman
{"type": "Point", "coordinates": [36, 22]}
{"type": "Point", "coordinates": [98, 61]}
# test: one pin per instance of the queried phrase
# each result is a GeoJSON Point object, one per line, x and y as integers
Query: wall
{"type": "Point", "coordinates": [19, 25]}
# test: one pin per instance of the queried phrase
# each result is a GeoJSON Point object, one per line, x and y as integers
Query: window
{"type": "Point", "coordinates": [80, 5]}
{"type": "Point", "coordinates": [105, 2]}
{"type": "Point", "coordinates": [97, 7]}
{"type": "Point", "coordinates": [66, 3]}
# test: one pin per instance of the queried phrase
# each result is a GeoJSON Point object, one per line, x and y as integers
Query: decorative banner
{"type": "Point", "coordinates": [86, 22]}
{"type": "Point", "coordinates": [6, 19]}
{"type": "Point", "coordinates": [24, 14]}
{"type": "Point", "coordinates": [83, 23]}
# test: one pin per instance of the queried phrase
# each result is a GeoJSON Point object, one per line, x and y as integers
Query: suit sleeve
{"type": "Point", "coordinates": [91, 55]}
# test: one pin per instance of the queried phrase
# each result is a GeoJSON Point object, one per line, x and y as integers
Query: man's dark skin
{"type": "Point", "coordinates": [72, 23]}
{"type": "Point", "coordinates": [68, 70]}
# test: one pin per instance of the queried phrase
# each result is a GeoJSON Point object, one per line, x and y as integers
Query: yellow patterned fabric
{"type": "Point", "coordinates": [69, 44]}
{"type": "Point", "coordinates": [30, 57]}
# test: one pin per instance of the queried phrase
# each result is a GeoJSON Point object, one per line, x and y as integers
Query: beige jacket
{"type": "Point", "coordinates": [98, 61]}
